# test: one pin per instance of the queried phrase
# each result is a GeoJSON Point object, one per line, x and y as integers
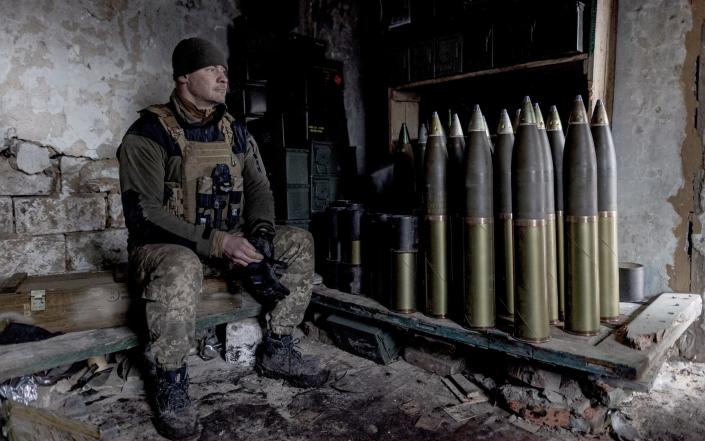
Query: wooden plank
{"type": "Point", "coordinates": [11, 283]}
{"type": "Point", "coordinates": [403, 108]}
{"type": "Point", "coordinates": [26, 358]}
{"type": "Point", "coordinates": [601, 60]}
{"type": "Point", "coordinates": [24, 423]}
{"type": "Point", "coordinates": [497, 70]}
{"type": "Point", "coordinates": [659, 323]}
{"type": "Point", "coordinates": [563, 349]}
{"type": "Point", "coordinates": [94, 301]}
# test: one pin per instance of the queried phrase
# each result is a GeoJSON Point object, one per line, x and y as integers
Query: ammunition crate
{"type": "Point", "coordinates": [324, 161]}
{"type": "Point", "coordinates": [449, 55]}
{"type": "Point", "coordinates": [324, 190]}
{"type": "Point", "coordinates": [296, 167]}
{"type": "Point", "coordinates": [297, 205]}
{"type": "Point", "coordinates": [365, 340]}
{"type": "Point", "coordinates": [421, 61]}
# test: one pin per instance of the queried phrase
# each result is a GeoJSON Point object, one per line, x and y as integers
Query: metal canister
{"type": "Point", "coordinates": [607, 243]}
{"type": "Point", "coordinates": [403, 255]}
{"type": "Point", "coordinates": [504, 236]}
{"type": "Point", "coordinates": [528, 206]}
{"type": "Point", "coordinates": [551, 264]}
{"type": "Point", "coordinates": [436, 221]}
{"type": "Point", "coordinates": [478, 227]}
{"type": "Point", "coordinates": [350, 278]}
{"type": "Point", "coordinates": [556, 139]}
{"type": "Point", "coordinates": [582, 300]}
{"type": "Point", "coordinates": [333, 257]}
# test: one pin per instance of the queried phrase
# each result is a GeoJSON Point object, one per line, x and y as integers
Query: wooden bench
{"type": "Point", "coordinates": [92, 310]}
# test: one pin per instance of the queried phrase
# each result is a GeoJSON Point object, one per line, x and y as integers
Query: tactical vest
{"type": "Point", "coordinates": [210, 188]}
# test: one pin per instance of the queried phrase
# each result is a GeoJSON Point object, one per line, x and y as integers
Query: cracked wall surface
{"type": "Point", "coordinates": [649, 127]}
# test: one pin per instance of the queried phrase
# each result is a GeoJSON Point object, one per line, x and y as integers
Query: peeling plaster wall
{"type": "Point", "coordinates": [649, 127]}
{"type": "Point", "coordinates": [73, 74]}
{"type": "Point", "coordinates": [72, 77]}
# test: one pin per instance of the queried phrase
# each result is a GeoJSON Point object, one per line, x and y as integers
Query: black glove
{"type": "Point", "coordinates": [261, 279]}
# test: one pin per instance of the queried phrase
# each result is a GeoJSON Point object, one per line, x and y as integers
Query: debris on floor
{"type": "Point", "coordinates": [399, 401]}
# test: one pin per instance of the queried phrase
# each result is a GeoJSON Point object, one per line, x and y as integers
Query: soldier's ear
{"type": "Point", "coordinates": [182, 79]}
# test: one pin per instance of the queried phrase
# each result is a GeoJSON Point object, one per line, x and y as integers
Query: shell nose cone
{"type": "Point", "coordinates": [578, 115]}
{"type": "Point", "coordinates": [599, 115]}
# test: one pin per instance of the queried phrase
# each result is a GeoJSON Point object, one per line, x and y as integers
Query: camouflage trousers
{"type": "Point", "coordinates": [170, 278]}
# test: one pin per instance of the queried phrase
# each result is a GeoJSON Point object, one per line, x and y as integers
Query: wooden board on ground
{"type": "Point", "coordinates": [24, 423]}
{"type": "Point", "coordinates": [27, 358]}
{"type": "Point", "coordinates": [596, 355]}
{"type": "Point", "coordinates": [79, 302]}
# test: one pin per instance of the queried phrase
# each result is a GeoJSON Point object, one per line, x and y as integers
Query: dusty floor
{"type": "Point", "coordinates": [362, 401]}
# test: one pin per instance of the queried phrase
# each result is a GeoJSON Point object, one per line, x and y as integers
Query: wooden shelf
{"type": "Point", "coordinates": [497, 70]}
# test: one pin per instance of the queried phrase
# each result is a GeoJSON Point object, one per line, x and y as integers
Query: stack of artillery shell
{"type": "Point", "coordinates": [403, 179]}
{"type": "Point", "coordinates": [333, 260]}
{"type": "Point", "coordinates": [556, 139]}
{"type": "Point", "coordinates": [528, 206]}
{"type": "Point", "coordinates": [350, 274]}
{"type": "Point", "coordinates": [403, 263]}
{"type": "Point", "coordinates": [478, 227]}
{"type": "Point", "coordinates": [582, 309]}
{"type": "Point", "coordinates": [504, 242]}
{"type": "Point", "coordinates": [436, 220]}
{"type": "Point", "coordinates": [456, 176]}
{"type": "Point", "coordinates": [551, 268]}
{"type": "Point", "coordinates": [607, 214]}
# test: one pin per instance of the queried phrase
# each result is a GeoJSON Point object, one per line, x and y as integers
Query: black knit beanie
{"type": "Point", "coordinates": [195, 53]}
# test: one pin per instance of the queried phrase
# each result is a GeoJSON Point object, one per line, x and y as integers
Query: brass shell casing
{"type": "Point", "coordinates": [551, 270]}
{"type": "Point", "coordinates": [436, 266]}
{"type": "Point", "coordinates": [478, 289]}
{"type": "Point", "coordinates": [582, 302]}
{"type": "Point", "coordinates": [403, 281]}
{"type": "Point", "coordinates": [560, 253]}
{"type": "Point", "coordinates": [530, 306]}
{"type": "Point", "coordinates": [504, 273]}
{"type": "Point", "coordinates": [607, 246]}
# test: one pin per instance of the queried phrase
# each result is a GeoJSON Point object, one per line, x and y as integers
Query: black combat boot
{"type": "Point", "coordinates": [174, 418]}
{"type": "Point", "coordinates": [277, 358]}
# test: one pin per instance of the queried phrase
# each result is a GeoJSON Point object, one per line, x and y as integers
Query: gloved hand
{"type": "Point", "coordinates": [261, 279]}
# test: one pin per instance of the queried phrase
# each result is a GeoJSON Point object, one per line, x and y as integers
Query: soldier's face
{"type": "Point", "coordinates": [208, 85]}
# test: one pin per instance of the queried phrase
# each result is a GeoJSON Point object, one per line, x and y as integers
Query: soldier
{"type": "Point", "coordinates": [194, 190]}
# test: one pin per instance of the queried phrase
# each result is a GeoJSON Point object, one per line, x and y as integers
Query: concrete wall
{"type": "Point", "coordinates": [72, 77]}
{"type": "Point", "coordinates": [658, 147]}
{"type": "Point", "coordinates": [658, 123]}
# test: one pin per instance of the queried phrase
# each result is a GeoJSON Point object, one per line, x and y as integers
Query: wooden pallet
{"type": "Point", "coordinates": [606, 354]}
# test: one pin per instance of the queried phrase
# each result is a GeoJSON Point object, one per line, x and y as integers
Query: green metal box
{"type": "Point", "coordinates": [297, 203]}
{"type": "Point", "coordinates": [324, 161]}
{"type": "Point", "coordinates": [364, 340]}
{"type": "Point", "coordinates": [323, 192]}
{"type": "Point", "coordinates": [297, 167]}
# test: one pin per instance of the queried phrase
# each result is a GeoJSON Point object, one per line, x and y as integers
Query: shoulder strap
{"type": "Point", "coordinates": [239, 131]}
{"type": "Point", "coordinates": [169, 122]}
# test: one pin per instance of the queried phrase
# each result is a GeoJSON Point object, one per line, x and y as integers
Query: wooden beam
{"type": "Point", "coordinates": [497, 70]}
{"type": "Point", "coordinates": [600, 63]}
{"type": "Point", "coordinates": [600, 355]}
{"type": "Point", "coordinates": [27, 358]}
